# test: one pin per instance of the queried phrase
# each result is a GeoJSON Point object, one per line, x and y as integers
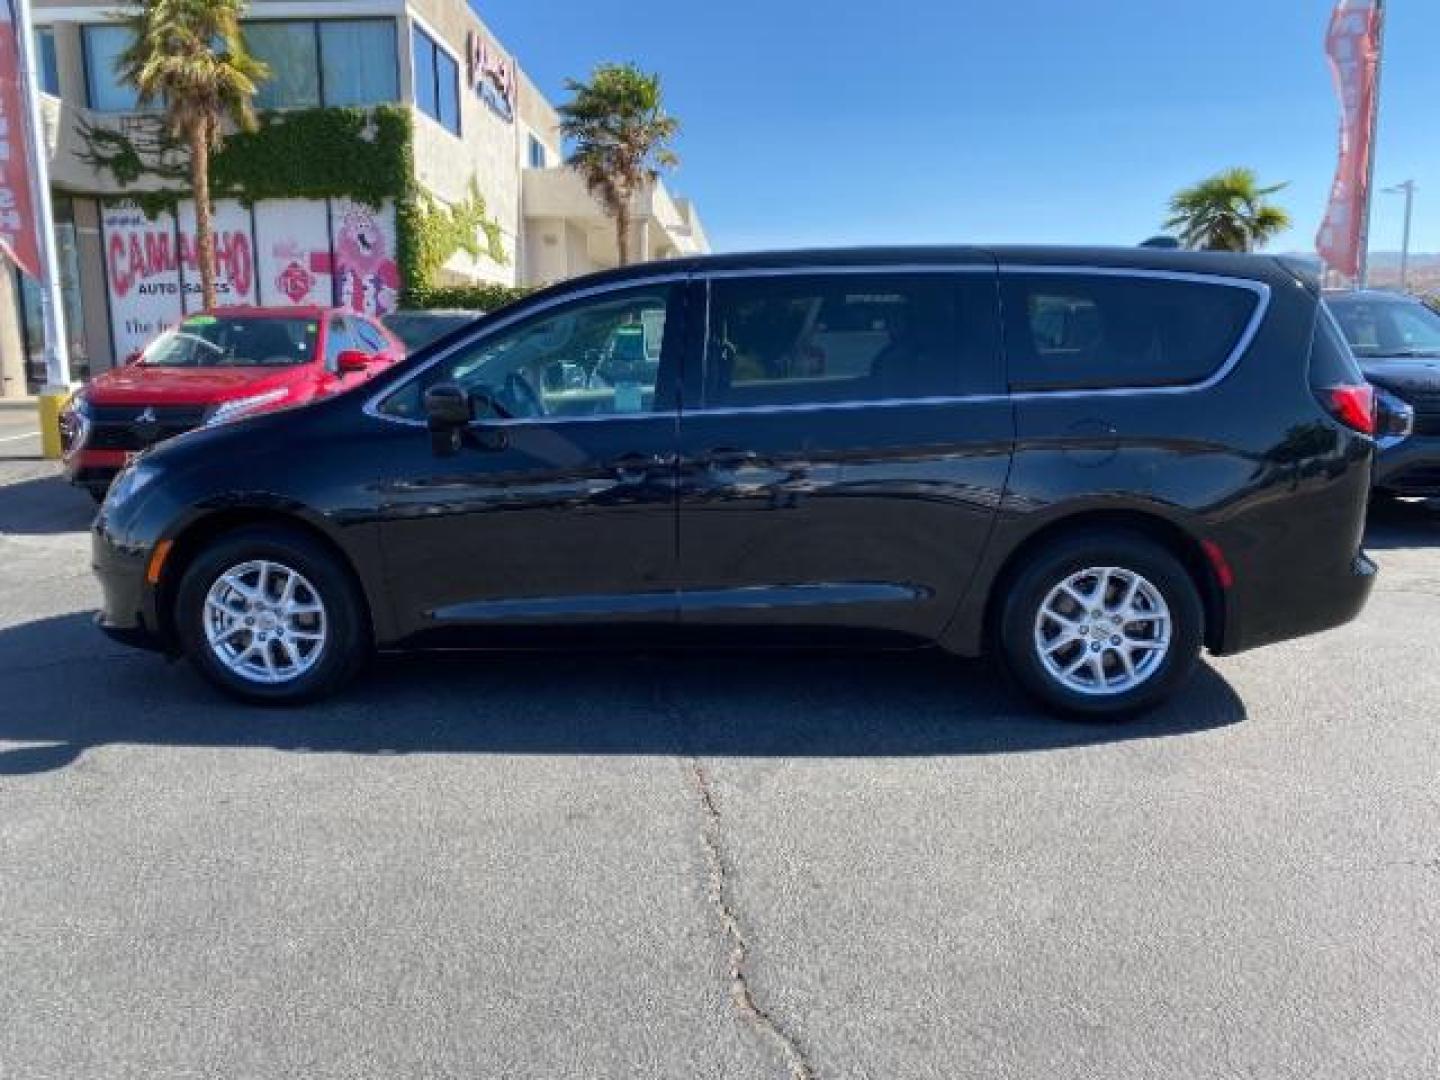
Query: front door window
{"type": "Point", "coordinates": [598, 357]}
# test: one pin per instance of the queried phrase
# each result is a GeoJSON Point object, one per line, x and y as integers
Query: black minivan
{"type": "Point", "coordinates": [1090, 462]}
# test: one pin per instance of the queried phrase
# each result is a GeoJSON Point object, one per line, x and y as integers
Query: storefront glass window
{"type": "Point", "coordinates": [32, 325]}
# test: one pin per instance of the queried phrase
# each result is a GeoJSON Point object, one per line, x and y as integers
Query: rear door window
{"type": "Point", "coordinates": [1098, 331]}
{"type": "Point", "coordinates": [841, 338]}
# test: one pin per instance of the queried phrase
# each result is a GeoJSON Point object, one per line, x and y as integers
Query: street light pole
{"type": "Point", "coordinates": [1408, 190]}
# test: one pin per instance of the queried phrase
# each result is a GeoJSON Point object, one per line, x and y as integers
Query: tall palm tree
{"type": "Point", "coordinates": [190, 56]}
{"type": "Point", "coordinates": [622, 135]}
{"type": "Point", "coordinates": [1227, 212]}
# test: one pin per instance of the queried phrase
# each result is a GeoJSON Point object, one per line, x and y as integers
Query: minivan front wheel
{"type": "Point", "coordinates": [267, 616]}
{"type": "Point", "coordinates": [1102, 624]}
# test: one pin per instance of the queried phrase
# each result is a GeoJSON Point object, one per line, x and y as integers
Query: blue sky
{"type": "Point", "coordinates": [838, 122]}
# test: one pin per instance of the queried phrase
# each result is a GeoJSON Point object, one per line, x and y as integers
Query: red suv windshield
{"type": "Point", "coordinates": [234, 341]}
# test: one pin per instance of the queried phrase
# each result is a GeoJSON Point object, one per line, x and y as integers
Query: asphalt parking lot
{"type": "Point", "coordinates": [711, 866]}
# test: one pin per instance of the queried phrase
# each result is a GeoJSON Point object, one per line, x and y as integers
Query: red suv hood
{"type": "Point", "coordinates": [140, 384]}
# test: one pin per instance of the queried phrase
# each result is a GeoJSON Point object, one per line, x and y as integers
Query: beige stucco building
{"type": "Point", "coordinates": [479, 125]}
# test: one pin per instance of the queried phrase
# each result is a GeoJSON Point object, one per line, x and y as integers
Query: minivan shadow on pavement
{"type": "Point", "coordinates": [69, 691]}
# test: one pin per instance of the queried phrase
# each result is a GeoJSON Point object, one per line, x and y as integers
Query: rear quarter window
{"type": "Point", "coordinates": [1099, 332]}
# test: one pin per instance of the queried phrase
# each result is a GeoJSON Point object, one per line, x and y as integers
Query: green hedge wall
{"type": "Point", "coordinates": [465, 297]}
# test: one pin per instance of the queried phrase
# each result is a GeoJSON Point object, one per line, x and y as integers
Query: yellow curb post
{"type": "Point", "coordinates": [51, 402]}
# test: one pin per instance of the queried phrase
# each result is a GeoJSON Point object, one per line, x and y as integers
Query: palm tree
{"type": "Point", "coordinates": [190, 55]}
{"type": "Point", "coordinates": [621, 134]}
{"type": "Point", "coordinates": [1227, 212]}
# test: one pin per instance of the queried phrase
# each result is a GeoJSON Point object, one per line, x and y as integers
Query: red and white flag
{"type": "Point", "coordinates": [18, 237]}
{"type": "Point", "coordinates": [1353, 46]}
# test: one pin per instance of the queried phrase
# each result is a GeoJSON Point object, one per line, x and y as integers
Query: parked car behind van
{"type": "Point", "coordinates": [1396, 339]}
{"type": "Point", "coordinates": [1092, 463]}
{"type": "Point", "coordinates": [216, 366]}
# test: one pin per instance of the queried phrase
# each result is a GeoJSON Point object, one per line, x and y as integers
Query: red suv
{"type": "Point", "coordinates": [216, 366]}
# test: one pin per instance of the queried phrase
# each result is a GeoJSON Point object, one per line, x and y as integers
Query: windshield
{"type": "Point", "coordinates": [238, 341]}
{"type": "Point", "coordinates": [1388, 327]}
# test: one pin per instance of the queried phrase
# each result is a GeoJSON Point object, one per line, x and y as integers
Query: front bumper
{"type": "Point", "coordinates": [1410, 467]}
{"type": "Point", "coordinates": [127, 612]}
{"type": "Point", "coordinates": [95, 469]}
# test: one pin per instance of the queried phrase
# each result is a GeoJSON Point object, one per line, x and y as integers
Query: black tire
{"type": "Point", "coordinates": [1055, 563]}
{"type": "Point", "coordinates": [347, 641]}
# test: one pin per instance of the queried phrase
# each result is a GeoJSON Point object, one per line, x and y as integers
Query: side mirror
{"type": "Point", "coordinates": [447, 406]}
{"type": "Point", "coordinates": [134, 358]}
{"type": "Point", "coordinates": [451, 411]}
{"type": "Point", "coordinates": [352, 360]}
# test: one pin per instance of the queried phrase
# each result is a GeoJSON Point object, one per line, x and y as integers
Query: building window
{"type": "Point", "coordinates": [437, 81]}
{"type": "Point", "coordinates": [537, 153]}
{"type": "Point", "coordinates": [335, 62]}
{"type": "Point", "coordinates": [49, 70]}
{"type": "Point", "coordinates": [357, 61]}
{"type": "Point", "coordinates": [107, 92]}
{"type": "Point", "coordinates": [289, 49]}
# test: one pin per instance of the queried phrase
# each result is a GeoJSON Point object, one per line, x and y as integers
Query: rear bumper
{"type": "Point", "coordinates": [1324, 605]}
{"type": "Point", "coordinates": [1410, 467]}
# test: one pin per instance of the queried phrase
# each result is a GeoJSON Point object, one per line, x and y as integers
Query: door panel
{"type": "Point", "coordinates": [553, 520]}
{"type": "Point", "coordinates": [845, 467]}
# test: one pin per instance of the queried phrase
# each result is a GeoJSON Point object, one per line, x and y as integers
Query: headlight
{"type": "Point", "coordinates": [234, 410]}
{"type": "Point", "coordinates": [75, 422]}
{"type": "Point", "coordinates": [133, 479]}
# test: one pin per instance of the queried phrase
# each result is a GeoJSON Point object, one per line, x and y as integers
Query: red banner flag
{"type": "Point", "coordinates": [1353, 45]}
{"type": "Point", "coordinates": [18, 238]}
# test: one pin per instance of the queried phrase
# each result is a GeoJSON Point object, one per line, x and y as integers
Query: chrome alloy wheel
{"type": "Point", "coordinates": [1103, 631]}
{"type": "Point", "coordinates": [265, 622]}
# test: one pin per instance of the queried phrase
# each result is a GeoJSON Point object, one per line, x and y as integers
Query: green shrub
{"type": "Point", "coordinates": [466, 297]}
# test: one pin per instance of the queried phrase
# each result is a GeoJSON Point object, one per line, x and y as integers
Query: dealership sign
{"type": "Point", "coordinates": [142, 267]}
{"type": "Point", "coordinates": [280, 252]}
{"type": "Point", "coordinates": [491, 76]}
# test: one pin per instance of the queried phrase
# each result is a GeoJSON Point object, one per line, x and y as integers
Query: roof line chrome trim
{"type": "Point", "coordinates": [372, 403]}
{"type": "Point", "coordinates": [859, 268]}
{"type": "Point", "coordinates": [1261, 290]}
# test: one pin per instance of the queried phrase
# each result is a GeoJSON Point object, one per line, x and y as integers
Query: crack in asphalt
{"type": "Point", "coordinates": [741, 994]}
{"type": "Point", "coordinates": [718, 885]}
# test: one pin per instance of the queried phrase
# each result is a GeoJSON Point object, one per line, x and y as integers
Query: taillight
{"type": "Point", "coordinates": [1353, 406]}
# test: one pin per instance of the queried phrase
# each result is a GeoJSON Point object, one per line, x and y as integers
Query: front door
{"type": "Point", "coordinates": [852, 438]}
{"type": "Point", "coordinates": [557, 510]}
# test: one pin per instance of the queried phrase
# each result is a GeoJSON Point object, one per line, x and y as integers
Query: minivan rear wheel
{"type": "Point", "coordinates": [268, 616]}
{"type": "Point", "coordinates": [1102, 624]}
